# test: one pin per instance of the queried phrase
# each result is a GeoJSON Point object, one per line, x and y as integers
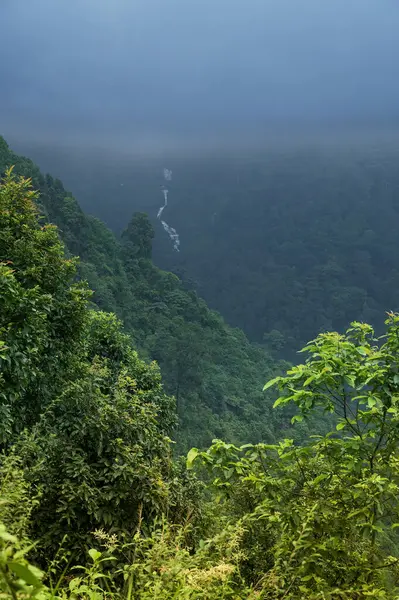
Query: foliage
{"type": "Point", "coordinates": [86, 422]}
{"type": "Point", "coordinates": [214, 372]}
{"type": "Point", "coordinates": [42, 311]}
{"type": "Point", "coordinates": [159, 566]}
{"type": "Point", "coordinates": [17, 499]}
{"type": "Point", "coordinates": [18, 578]}
{"type": "Point", "coordinates": [300, 239]}
{"type": "Point", "coordinates": [164, 567]}
{"type": "Point", "coordinates": [118, 460]}
{"type": "Point", "coordinates": [295, 237]}
{"type": "Point", "coordinates": [138, 237]}
{"type": "Point", "coordinates": [316, 520]}
{"type": "Point", "coordinates": [321, 517]}
{"type": "Point", "coordinates": [89, 488]}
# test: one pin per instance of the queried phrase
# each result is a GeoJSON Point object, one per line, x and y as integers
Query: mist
{"type": "Point", "coordinates": [159, 75]}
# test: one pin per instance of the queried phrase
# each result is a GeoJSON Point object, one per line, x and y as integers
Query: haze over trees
{"type": "Point", "coordinates": [215, 374]}
{"type": "Point", "coordinates": [199, 300]}
{"type": "Point", "coordinates": [89, 473]}
{"type": "Point", "coordinates": [285, 242]}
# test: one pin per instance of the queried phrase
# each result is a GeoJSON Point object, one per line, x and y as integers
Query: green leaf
{"type": "Point", "coordinates": [350, 380]}
{"type": "Point", "coordinates": [297, 419]}
{"type": "Point", "coordinates": [94, 554]}
{"type": "Point", "coordinates": [191, 456]}
{"type": "Point", "coordinates": [5, 536]}
{"type": "Point", "coordinates": [270, 383]}
{"type": "Point", "coordinates": [320, 478]}
{"type": "Point", "coordinates": [341, 425]}
{"type": "Point", "coordinates": [363, 350]}
{"type": "Point", "coordinates": [281, 400]}
{"type": "Point", "coordinates": [23, 572]}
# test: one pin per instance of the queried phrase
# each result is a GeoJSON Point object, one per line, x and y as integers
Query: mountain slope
{"type": "Point", "coordinates": [287, 240]}
{"type": "Point", "coordinates": [212, 369]}
{"type": "Point", "coordinates": [302, 242]}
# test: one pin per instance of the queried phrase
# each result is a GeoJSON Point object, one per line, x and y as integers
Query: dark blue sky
{"type": "Point", "coordinates": [153, 70]}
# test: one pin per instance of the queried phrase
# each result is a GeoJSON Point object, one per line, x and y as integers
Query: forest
{"type": "Point", "coordinates": [285, 241]}
{"type": "Point", "coordinates": [149, 450]}
{"type": "Point", "coordinates": [212, 370]}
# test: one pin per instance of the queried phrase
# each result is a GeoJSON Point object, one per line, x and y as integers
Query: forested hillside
{"type": "Point", "coordinates": [93, 502]}
{"type": "Point", "coordinates": [285, 241]}
{"type": "Point", "coordinates": [199, 300]}
{"type": "Point", "coordinates": [303, 243]}
{"type": "Point", "coordinates": [215, 374]}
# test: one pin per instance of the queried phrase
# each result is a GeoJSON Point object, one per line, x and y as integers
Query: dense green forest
{"type": "Point", "coordinates": [285, 242]}
{"type": "Point", "coordinates": [212, 370]}
{"type": "Point", "coordinates": [94, 503]}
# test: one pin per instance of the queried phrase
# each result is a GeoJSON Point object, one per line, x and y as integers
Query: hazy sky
{"type": "Point", "coordinates": [149, 69]}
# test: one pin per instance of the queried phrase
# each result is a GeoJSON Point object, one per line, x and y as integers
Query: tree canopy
{"type": "Point", "coordinates": [211, 368]}
{"type": "Point", "coordinates": [94, 500]}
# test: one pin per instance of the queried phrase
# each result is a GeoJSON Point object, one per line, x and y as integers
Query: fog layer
{"type": "Point", "coordinates": [154, 71]}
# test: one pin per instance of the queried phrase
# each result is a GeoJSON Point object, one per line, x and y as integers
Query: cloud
{"type": "Point", "coordinates": [150, 68]}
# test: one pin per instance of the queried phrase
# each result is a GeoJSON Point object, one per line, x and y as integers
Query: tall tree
{"type": "Point", "coordinates": [321, 518]}
{"type": "Point", "coordinates": [138, 236]}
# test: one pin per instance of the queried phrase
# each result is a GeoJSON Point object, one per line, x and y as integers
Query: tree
{"type": "Point", "coordinates": [42, 310]}
{"type": "Point", "coordinates": [274, 340]}
{"type": "Point", "coordinates": [220, 393]}
{"type": "Point", "coordinates": [100, 458]}
{"type": "Point", "coordinates": [138, 236]}
{"type": "Point", "coordinates": [83, 416]}
{"type": "Point", "coordinates": [321, 518]}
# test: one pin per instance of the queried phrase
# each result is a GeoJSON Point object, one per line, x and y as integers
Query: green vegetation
{"type": "Point", "coordinates": [212, 370]}
{"type": "Point", "coordinates": [292, 239]}
{"type": "Point", "coordinates": [72, 386]}
{"type": "Point", "coordinates": [94, 502]}
{"type": "Point", "coordinates": [321, 518]}
{"type": "Point", "coordinates": [304, 239]}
